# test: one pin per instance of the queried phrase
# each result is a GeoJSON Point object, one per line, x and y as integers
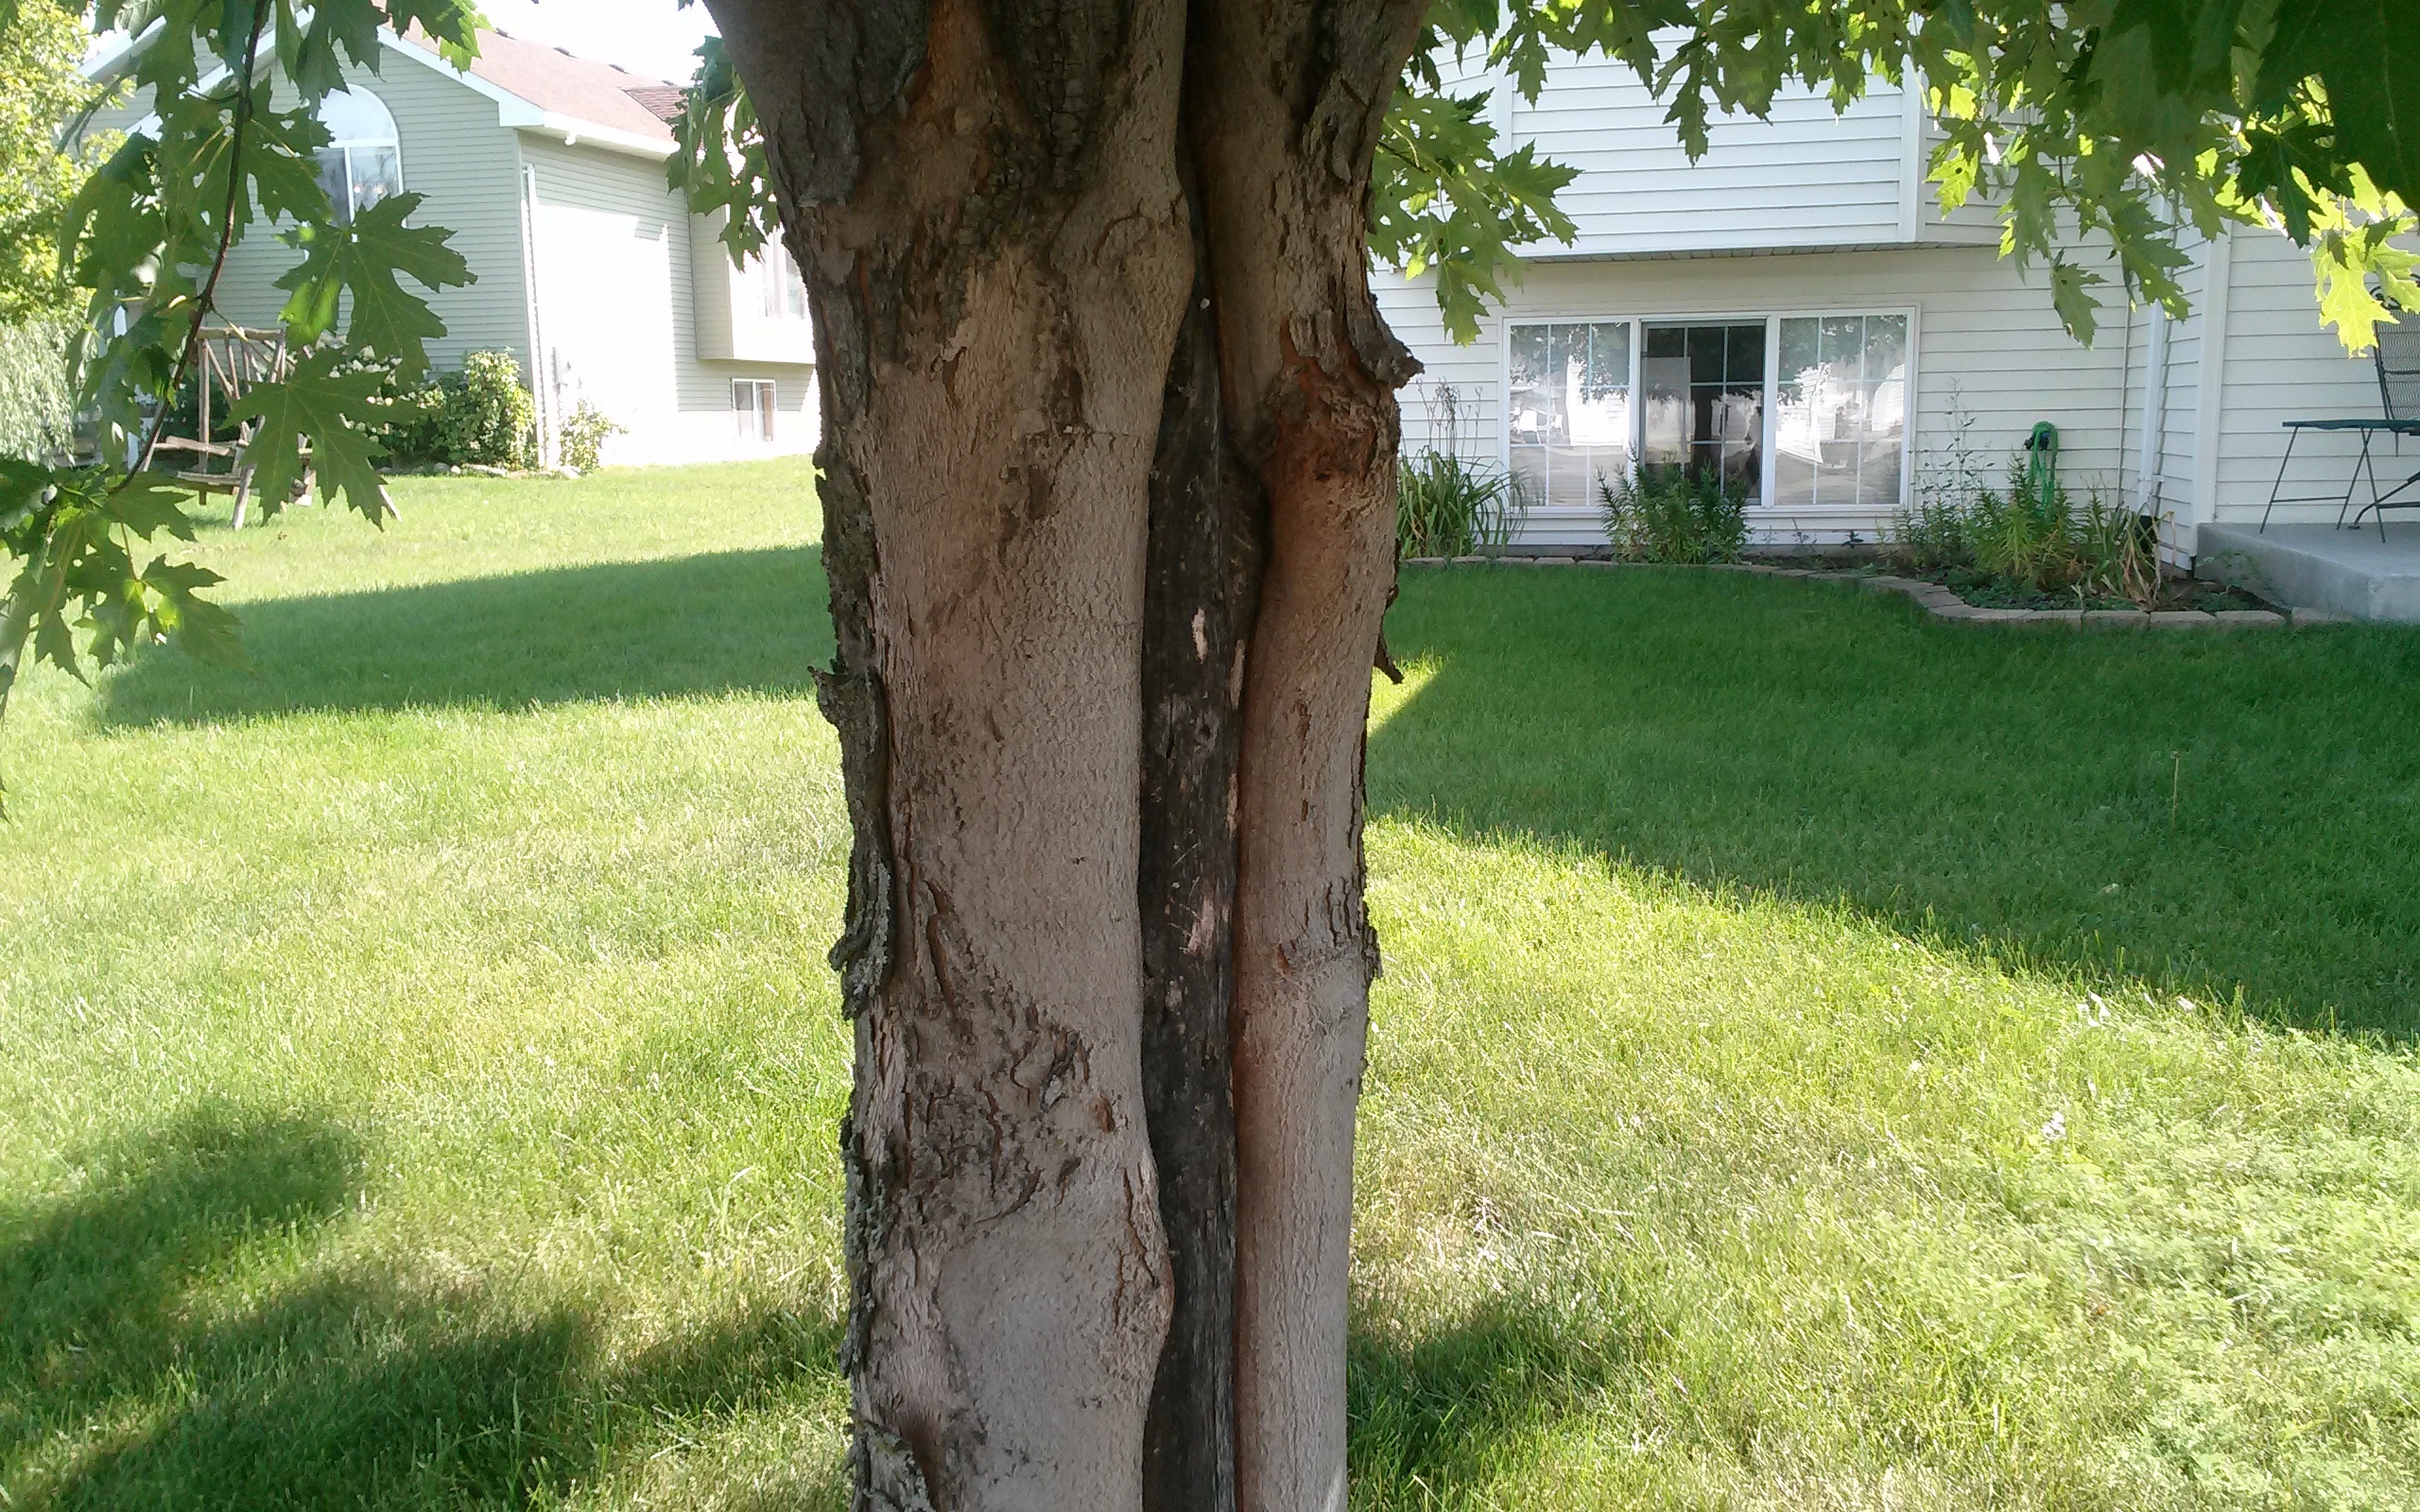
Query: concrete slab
{"type": "Point", "coordinates": [2350, 573]}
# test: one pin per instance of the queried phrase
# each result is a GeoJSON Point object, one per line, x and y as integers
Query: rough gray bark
{"type": "Point", "coordinates": [1109, 463]}
{"type": "Point", "coordinates": [986, 206]}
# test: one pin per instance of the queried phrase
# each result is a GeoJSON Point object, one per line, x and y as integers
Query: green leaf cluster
{"type": "Point", "coordinates": [2092, 128]}
{"type": "Point", "coordinates": [72, 533]}
{"type": "Point", "coordinates": [1445, 196]}
{"type": "Point", "coordinates": [2117, 125]}
{"type": "Point", "coordinates": [227, 148]}
{"type": "Point", "coordinates": [720, 164]}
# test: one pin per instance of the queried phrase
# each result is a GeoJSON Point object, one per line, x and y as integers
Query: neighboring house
{"type": "Point", "coordinates": [1795, 308]}
{"type": "Point", "coordinates": [550, 169]}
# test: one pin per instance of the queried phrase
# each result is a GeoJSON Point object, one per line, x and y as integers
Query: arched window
{"type": "Point", "coordinates": [363, 161]}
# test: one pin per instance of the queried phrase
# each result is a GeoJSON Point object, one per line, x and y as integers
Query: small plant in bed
{"type": "Point", "coordinates": [1664, 514]}
{"type": "Point", "coordinates": [2031, 545]}
{"type": "Point", "coordinates": [1447, 506]}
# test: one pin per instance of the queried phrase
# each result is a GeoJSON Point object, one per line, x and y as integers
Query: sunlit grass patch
{"type": "Point", "coordinates": [1674, 1195]}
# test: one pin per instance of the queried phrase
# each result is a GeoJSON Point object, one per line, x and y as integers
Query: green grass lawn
{"type": "Point", "coordinates": [1813, 1071]}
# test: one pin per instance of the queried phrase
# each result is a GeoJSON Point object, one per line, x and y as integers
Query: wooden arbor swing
{"type": "Point", "coordinates": [232, 360]}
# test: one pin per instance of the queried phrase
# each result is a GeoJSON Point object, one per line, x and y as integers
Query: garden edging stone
{"type": "Point", "coordinates": [1942, 603]}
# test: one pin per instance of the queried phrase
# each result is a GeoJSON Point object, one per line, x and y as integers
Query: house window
{"type": "Point", "coordinates": [1840, 430]}
{"type": "Point", "coordinates": [751, 407]}
{"type": "Point", "coordinates": [363, 161]}
{"type": "Point", "coordinates": [780, 290]}
{"type": "Point", "coordinates": [1704, 402]}
{"type": "Point", "coordinates": [1571, 408]}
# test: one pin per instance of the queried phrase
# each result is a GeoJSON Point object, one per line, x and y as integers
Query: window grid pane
{"type": "Point", "coordinates": [1839, 438]}
{"type": "Point", "coordinates": [1703, 389]}
{"type": "Point", "coordinates": [1570, 416]}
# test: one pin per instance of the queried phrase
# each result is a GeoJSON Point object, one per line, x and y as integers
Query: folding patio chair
{"type": "Point", "coordinates": [2397, 355]}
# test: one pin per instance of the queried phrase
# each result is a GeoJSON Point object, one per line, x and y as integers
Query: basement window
{"type": "Point", "coordinates": [751, 408]}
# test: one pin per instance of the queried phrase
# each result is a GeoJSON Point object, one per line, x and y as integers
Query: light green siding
{"type": "Point", "coordinates": [467, 168]}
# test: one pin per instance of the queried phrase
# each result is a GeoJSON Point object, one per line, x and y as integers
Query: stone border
{"type": "Point", "coordinates": [1942, 603]}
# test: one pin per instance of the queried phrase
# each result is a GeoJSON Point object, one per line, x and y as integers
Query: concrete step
{"type": "Point", "coordinates": [2350, 573]}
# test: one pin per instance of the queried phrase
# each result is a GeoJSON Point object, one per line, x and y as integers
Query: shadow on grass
{"type": "Point", "coordinates": [1435, 1421]}
{"type": "Point", "coordinates": [2194, 813]}
{"type": "Point", "coordinates": [129, 1302]}
{"type": "Point", "coordinates": [741, 621]}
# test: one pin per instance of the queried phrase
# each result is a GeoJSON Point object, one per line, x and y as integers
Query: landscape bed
{"type": "Point", "coordinates": [1826, 1057]}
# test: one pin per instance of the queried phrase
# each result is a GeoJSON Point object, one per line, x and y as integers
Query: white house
{"type": "Point", "coordinates": [550, 169]}
{"type": "Point", "coordinates": [1795, 305]}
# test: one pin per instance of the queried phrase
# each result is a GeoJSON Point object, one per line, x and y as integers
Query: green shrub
{"type": "Point", "coordinates": [585, 430]}
{"type": "Point", "coordinates": [1447, 507]}
{"type": "Point", "coordinates": [1662, 514]}
{"type": "Point", "coordinates": [480, 416]}
{"type": "Point", "coordinates": [488, 416]}
{"type": "Point", "coordinates": [36, 410]}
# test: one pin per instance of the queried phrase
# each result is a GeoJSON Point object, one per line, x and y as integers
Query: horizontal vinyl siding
{"type": "Point", "coordinates": [466, 168]}
{"type": "Point", "coordinates": [1468, 380]}
{"type": "Point", "coordinates": [2282, 365]}
{"type": "Point", "coordinates": [639, 345]}
{"type": "Point", "coordinates": [1988, 346]}
{"type": "Point", "coordinates": [1805, 176]}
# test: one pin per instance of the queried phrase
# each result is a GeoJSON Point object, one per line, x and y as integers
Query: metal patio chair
{"type": "Point", "coordinates": [2397, 355]}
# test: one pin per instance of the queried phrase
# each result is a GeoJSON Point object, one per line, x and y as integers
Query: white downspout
{"type": "Point", "coordinates": [542, 388]}
{"type": "Point", "coordinates": [2154, 446]}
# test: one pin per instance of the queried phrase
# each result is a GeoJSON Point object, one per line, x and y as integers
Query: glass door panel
{"type": "Point", "coordinates": [1703, 396]}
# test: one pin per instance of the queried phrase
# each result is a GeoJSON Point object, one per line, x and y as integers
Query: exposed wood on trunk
{"type": "Point", "coordinates": [986, 206]}
{"type": "Point", "coordinates": [1202, 590]}
{"type": "Point", "coordinates": [1284, 102]}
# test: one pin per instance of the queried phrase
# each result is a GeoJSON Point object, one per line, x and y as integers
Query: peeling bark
{"type": "Point", "coordinates": [985, 203]}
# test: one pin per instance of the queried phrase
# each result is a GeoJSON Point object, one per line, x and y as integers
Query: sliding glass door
{"type": "Point", "coordinates": [1806, 413]}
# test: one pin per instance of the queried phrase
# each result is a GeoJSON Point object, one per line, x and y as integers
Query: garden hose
{"type": "Point", "coordinates": [2042, 464]}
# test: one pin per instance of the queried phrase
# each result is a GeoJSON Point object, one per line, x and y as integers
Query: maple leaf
{"type": "Point", "coordinates": [363, 260]}
{"type": "Point", "coordinates": [318, 417]}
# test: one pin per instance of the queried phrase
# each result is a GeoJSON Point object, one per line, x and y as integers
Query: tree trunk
{"type": "Point", "coordinates": [999, 253]}
{"type": "Point", "coordinates": [1109, 461]}
{"type": "Point", "coordinates": [1284, 105]}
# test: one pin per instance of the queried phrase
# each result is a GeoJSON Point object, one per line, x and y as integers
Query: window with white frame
{"type": "Point", "coordinates": [363, 161]}
{"type": "Point", "coordinates": [753, 408]}
{"type": "Point", "coordinates": [781, 293]}
{"type": "Point", "coordinates": [1571, 408]}
{"type": "Point", "coordinates": [1795, 411]}
{"type": "Point", "coordinates": [1841, 422]}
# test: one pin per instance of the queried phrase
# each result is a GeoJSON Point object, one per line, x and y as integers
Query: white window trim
{"type": "Point", "coordinates": [403, 169]}
{"type": "Point", "coordinates": [765, 416]}
{"type": "Point", "coordinates": [1772, 315]}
